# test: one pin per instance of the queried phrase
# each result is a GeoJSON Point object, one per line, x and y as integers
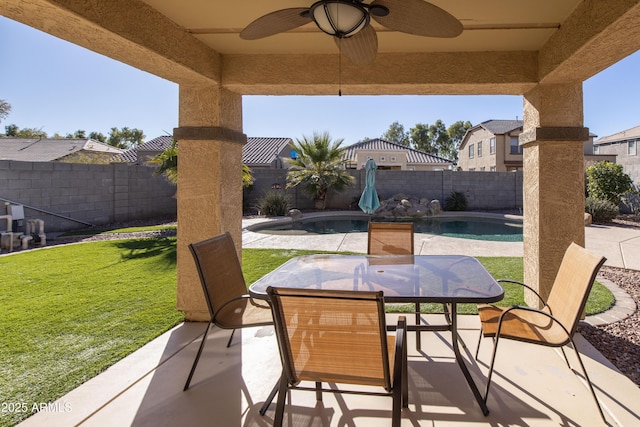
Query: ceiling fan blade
{"type": "Point", "coordinates": [276, 22]}
{"type": "Point", "coordinates": [419, 18]}
{"type": "Point", "coordinates": [360, 48]}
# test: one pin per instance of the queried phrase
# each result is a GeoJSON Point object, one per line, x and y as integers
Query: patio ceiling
{"type": "Point", "coordinates": [506, 47]}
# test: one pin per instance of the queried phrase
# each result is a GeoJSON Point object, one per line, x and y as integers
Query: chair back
{"type": "Point", "coordinates": [332, 336]}
{"type": "Point", "coordinates": [572, 285]}
{"type": "Point", "coordinates": [219, 270]}
{"type": "Point", "coordinates": [390, 238]}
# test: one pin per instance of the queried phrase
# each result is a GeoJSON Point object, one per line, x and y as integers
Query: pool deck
{"type": "Point", "coordinates": [621, 246]}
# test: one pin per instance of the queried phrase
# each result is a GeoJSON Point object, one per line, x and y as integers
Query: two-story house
{"type": "Point", "coordinates": [624, 145]}
{"type": "Point", "coordinates": [492, 145]}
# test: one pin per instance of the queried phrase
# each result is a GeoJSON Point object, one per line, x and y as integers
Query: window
{"type": "Point", "coordinates": [515, 146]}
{"type": "Point", "coordinates": [480, 149]}
{"type": "Point", "coordinates": [471, 151]}
{"type": "Point", "coordinates": [596, 149]}
{"type": "Point", "coordinates": [632, 147]}
{"type": "Point", "coordinates": [492, 146]}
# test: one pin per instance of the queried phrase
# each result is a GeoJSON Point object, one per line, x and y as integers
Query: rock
{"type": "Point", "coordinates": [403, 206]}
{"type": "Point", "coordinates": [587, 219]}
{"type": "Point", "coordinates": [295, 214]}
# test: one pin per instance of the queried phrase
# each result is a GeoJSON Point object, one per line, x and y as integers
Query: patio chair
{"type": "Point", "coordinates": [554, 324]}
{"type": "Point", "coordinates": [390, 238]}
{"type": "Point", "coordinates": [338, 337]}
{"type": "Point", "coordinates": [396, 238]}
{"type": "Point", "coordinates": [225, 290]}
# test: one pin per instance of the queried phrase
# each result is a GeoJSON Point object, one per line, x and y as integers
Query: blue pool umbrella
{"type": "Point", "coordinates": [369, 199]}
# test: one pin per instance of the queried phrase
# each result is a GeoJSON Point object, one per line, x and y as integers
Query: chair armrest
{"type": "Point", "coordinates": [531, 309]}
{"type": "Point", "coordinates": [515, 282]}
{"type": "Point", "coordinates": [241, 297]}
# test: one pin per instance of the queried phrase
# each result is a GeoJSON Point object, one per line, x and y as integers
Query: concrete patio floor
{"type": "Point", "coordinates": [532, 385]}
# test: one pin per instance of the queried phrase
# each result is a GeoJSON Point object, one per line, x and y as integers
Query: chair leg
{"type": "Point", "coordinates": [318, 391]}
{"type": "Point", "coordinates": [586, 377]}
{"type": "Point", "coordinates": [493, 359]}
{"type": "Point", "coordinates": [396, 412]}
{"type": "Point", "coordinates": [269, 399]}
{"type": "Point", "coordinates": [418, 321]}
{"type": "Point", "coordinates": [195, 362]}
{"type": "Point", "coordinates": [282, 396]}
{"type": "Point", "coordinates": [478, 346]}
{"type": "Point", "coordinates": [233, 331]}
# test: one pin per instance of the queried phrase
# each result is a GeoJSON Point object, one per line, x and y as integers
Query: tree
{"type": "Point", "coordinates": [98, 136]}
{"type": "Point", "coordinates": [167, 162]}
{"type": "Point", "coordinates": [420, 139]}
{"type": "Point", "coordinates": [439, 137]}
{"type": "Point", "coordinates": [456, 133]}
{"type": "Point", "coordinates": [607, 181]}
{"type": "Point", "coordinates": [14, 131]}
{"type": "Point", "coordinates": [397, 134]}
{"type": "Point", "coordinates": [5, 109]}
{"type": "Point", "coordinates": [319, 167]}
{"type": "Point", "coordinates": [125, 138]}
{"type": "Point", "coordinates": [79, 134]}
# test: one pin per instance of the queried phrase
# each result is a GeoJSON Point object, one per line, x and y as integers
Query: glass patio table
{"type": "Point", "coordinates": [446, 279]}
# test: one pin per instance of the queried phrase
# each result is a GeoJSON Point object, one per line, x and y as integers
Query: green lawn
{"type": "Point", "coordinates": [69, 312]}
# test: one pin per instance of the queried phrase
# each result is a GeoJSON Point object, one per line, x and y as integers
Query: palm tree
{"type": "Point", "coordinates": [318, 167]}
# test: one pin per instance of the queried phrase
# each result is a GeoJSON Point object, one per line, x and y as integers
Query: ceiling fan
{"type": "Point", "coordinates": [348, 21]}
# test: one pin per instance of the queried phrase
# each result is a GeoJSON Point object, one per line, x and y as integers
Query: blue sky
{"type": "Point", "coordinates": [59, 87]}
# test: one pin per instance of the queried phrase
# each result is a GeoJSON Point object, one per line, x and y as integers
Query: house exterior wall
{"type": "Point", "coordinates": [630, 162]}
{"type": "Point", "coordinates": [484, 191]}
{"type": "Point", "coordinates": [90, 193]}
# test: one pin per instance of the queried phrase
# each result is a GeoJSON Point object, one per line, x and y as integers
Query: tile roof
{"type": "Point", "coordinates": [263, 150]}
{"type": "Point", "coordinates": [160, 143]}
{"type": "Point", "coordinates": [413, 156]}
{"type": "Point", "coordinates": [632, 133]}
{"type": "Point", "coordinates": [47, 150]}
{"type": "Point", "coordinates": [500, 127]}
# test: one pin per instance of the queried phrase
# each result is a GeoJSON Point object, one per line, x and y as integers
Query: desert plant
{"type": "Point", "coordinates": [318, 167]}
{"type": "Point", "coordinates": [274, 203]}
{"type": "Point", "coordinates": [456, 201]}
{"type": "Point", "coordinates": [600, 210]}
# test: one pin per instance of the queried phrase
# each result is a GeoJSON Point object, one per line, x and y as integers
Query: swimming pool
{"type": "Point", "coordinates": [461, 225]}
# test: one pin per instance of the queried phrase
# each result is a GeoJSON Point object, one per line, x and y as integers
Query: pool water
{"type": "Point", "coordinates": [476, 228]}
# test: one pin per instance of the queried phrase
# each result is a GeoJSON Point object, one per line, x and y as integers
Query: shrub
{"type": "Point", "coordinates": [274, 203]}
{"type": "Point", "coordinates": [600, 210]}
{"type": "Point", "coordinates": [607, 181]}
{"type": "Point", "coordinates": [456, 201]}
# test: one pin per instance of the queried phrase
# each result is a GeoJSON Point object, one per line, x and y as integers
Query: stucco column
{"type": "Point", "coordinates": [209, 181]}
{"type": "Point", "coordinates": [553, 175]}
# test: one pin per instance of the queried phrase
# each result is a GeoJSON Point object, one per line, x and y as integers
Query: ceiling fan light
{"type": "Point", "coordinates": [340, 18]}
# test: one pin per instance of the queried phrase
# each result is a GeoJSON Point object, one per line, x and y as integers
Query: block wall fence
{"type": "Point", "coordinates": [69, 196]}
{"type": "Point", "coordinates": [484, 190]}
